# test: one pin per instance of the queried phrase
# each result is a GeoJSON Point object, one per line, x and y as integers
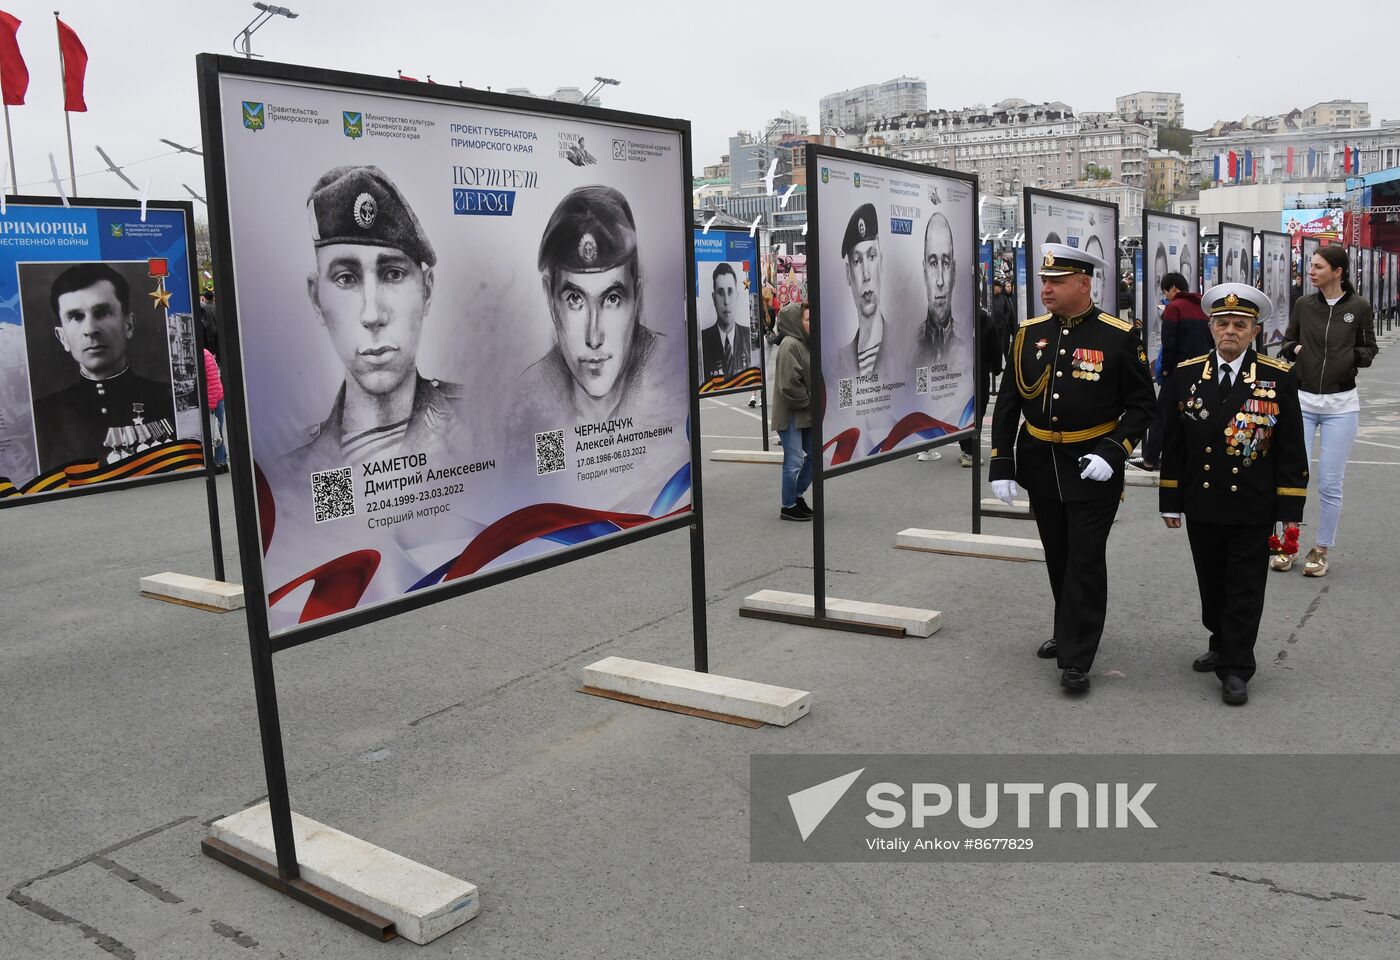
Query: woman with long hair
{"type": "Point", "coordinates": [1331, 334]}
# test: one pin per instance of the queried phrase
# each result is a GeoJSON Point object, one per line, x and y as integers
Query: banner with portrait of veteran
{"type": "Point", "coordinates": [897, 275]}
{"type": "Point", "coordinates": [1088, 225]}
{"type": "Point", "coordinates": [1276, 280]}
{"type": "Point", "coordinates": [1308, 246]}
{"type": "Point", "coordinates": [99, 378]}
{"type": "Point", "coordinates": [726, 308]}
{"type": "Point", "coordinates": [1236, 254]}
{"type": "Point", "coordinates": [1170, 244]}
{"type": "Point", "coordinates": [464, 332]}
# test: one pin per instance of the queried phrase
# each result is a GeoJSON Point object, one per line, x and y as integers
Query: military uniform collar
{"type": "Point", "coordinates": [104, 380]}
{"type": "Point", "coordinates": [1074, 321]}
{"type": "Point", "coordinates": [427, 401]}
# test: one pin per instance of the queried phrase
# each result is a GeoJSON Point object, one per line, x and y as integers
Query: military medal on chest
{"type": "Point", "coordinates": [1088, 364]}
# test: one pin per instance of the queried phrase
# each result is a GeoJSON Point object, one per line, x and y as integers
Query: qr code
{"type": "Point", "coordinates": [921, 381]}
{"type": "Point", "coordinates": [549, 452]}
{"type": "Point", "coordinates": [846, 393]}
{"type": "Point", "coordinates": [333, 492]}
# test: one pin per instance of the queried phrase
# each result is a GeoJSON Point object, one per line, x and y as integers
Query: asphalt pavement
{"type": "Point", "coordinates": [454, 735]}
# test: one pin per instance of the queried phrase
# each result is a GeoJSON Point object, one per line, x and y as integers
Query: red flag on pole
{"type": "Point", "coordinates": [1234, 164]}
{"type": "Point", "coordinates": [1346, 158]}
{"type": "Point", "coordinates": [14, 75]}
{"type": "Point", "coordinates": [75, 60]}
{"type": "Point", "coordinates": [1290, 161]}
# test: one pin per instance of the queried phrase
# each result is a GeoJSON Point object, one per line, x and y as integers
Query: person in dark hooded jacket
{"type": "Point", "coordinates": [792, 408]}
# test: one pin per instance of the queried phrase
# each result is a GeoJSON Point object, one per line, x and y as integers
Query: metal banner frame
{"type": "Point", "coordinates": [1033, 248]}
{"type": "Point", "coordinates": [817, 153]}
{"type": "Point", "coordinates": [1248, 251]}
{"type": "Point", "coordinates": [211, 68]}
{"type": "Point", "coordinates": [206, 471]}
{"type": "Point", "coordinates": [756, 318]}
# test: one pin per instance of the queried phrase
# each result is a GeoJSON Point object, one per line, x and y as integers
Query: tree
{"type": "Point", "coordinates": [1092, 171]}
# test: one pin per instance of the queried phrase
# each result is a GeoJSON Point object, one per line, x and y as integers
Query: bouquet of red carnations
{"type": "Point", "coordinates": [1286, 547]}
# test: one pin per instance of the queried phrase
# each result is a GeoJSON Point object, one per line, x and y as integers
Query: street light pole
{"type": "Point", "coordinates": [600, 83]}
{"type": "Point", "coordinates": [243, 41]}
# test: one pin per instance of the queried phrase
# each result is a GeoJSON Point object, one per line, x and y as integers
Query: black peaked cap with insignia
{"type": "Point", "coordinates": [864, 225]}
{"type": "Point", "coordinates": [591, 230]}
{"type": "Point", "coordinates": [362, 205]}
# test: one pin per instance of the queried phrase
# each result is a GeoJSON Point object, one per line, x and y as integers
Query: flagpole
{"type": "Point", "coordinates": [9, 142]}
{"type": "Point", "coordinates": [67, 123]}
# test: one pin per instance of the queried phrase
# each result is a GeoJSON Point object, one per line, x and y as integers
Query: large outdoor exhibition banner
{"type": "Point", "coordinates": [1309, 247]}
{"type": "Point", "coordinates": [1276, 279]}
{"type": "Point", "coordinates": [1088, 225]}
{"type": "Point", "coordinates": [1170, 244]}
{"type": "Point", "coordinates": [99, 378]}
{"type": "Point", "coordinates": [462, 328]}
{"type": "Point", "coordinates": [726, 305]}
{"type": "Point", "coordinates": [1236, 254]}
{"type": "Point", "coordinates": [897, 248]}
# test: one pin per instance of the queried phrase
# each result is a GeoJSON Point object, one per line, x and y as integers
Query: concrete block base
{"type": "Point", "coordinates": [422, 902]}
{"type": "Point", "coordinates": [913, 621]}
{"type": "Point", "coordinates": [779, 706]}
{"type": "Point", "coordinates": [1018, 508]}
{"type": "Point", "coordinates": [198, 592]}
{"type": "Point", "coordinates": [970, 544]}
{"type": "Point", "coordinates": [748, 456]}
{"type": "Point", "coordinates": [1133, 477]}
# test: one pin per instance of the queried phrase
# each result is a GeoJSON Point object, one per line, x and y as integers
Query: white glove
{"type": "Point", "coordinates": [1005, 490]}
{"type": "Point", "coordinates": [1096, 469]}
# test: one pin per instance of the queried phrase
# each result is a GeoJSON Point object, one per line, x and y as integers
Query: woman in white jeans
{"type": "Point", "coordinates": [1330, 335]}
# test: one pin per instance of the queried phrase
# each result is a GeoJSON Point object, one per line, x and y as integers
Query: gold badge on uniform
{"type": "Point", "coordinates": [1049, 260]}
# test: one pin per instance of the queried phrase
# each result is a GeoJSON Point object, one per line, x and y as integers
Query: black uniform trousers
{"type": "Point", "coordinates": [1075, 538]}
{"type": "Point", "coordinates": [1232, 571]}
{"type": "Point", "coordinates": [1157, 433]}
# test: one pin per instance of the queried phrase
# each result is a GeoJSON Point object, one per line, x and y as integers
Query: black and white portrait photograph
{"type": "Point", "coordinates": [99, 363]}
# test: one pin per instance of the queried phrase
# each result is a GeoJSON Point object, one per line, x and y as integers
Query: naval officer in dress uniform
{"type": "Point", "coordinates": [371, 290]}
{"type": "Point", "coordinates": [1079, 379]}
{"type": "Point", "coordinates": [1235, 464]}
{"type": "Point", "coordinates": [110, 413]}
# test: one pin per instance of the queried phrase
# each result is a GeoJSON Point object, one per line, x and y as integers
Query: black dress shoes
{"type": "Point", "coordinates": [1047, 650]}
{"type": "Point", "coordinates": [1234, 691]}
{"type": "Point", "coordinates": [1206, 662]}
{"type": "Point", "coordinates": [1074, 679]}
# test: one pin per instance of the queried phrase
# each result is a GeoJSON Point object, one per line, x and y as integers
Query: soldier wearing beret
{"type": "Point", "coordinates": [111, 412]}
{"type": "Point", "coordinates": [864, 355]}
{"type": "Point", "coordinates": [591, 275]}
{"type": "Point", "coordinates": [1235, 464]}
{"type": "Point", "coordinates": [1079, 379]}
{"type": "Point", "coordinates": [371, 291]}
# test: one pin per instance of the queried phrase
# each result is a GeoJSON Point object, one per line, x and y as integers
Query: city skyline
{"type": "Point", "coordinates": [141, 79]}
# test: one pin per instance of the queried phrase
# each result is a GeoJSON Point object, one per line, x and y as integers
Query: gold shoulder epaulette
{"type": "Point", "coordinates": [1113, 321]}
{"type": "Point", "coordinates": [1274, 362]}
{"type": "Point", "coordinates": [1031, 320]}
{"type": "Point", "coordinates": [1187, 363]}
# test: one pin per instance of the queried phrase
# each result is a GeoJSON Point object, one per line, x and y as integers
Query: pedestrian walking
{"type": "Point", "coordinates": [1234, 465]}
{"type": "Point", "coordinates": [1331, 334]}
{"type": "Point", "coordinates": [792, 409]}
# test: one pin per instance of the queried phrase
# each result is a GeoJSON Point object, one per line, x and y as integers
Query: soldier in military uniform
{"type": "Point", "coordinates": [937, 339]}
{"type": "Point", "coordinates": [600, 363]}
{"type": "Point", "coordinates": [724, 347]}
{"type": "Point", "coordinates": [864, 356]}
{"type": "Point", "coordinates": [110, 413]}
{"type": "Point", "coordinates": [371, 291]}
{"type": "Point", "coordinates": [1234, 464]}
{"type": "Point", "coordinates": [1079, 377]}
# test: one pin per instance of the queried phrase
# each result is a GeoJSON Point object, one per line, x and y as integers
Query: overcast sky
{"type": "Point", "coordinates": [725, 66]}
